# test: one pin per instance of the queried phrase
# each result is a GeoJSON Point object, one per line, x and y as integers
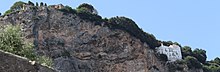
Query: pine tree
{"type": "Point", "coordinates": [36, 3]}
{"type": "Point", "coordinates": [41, 4]}
{"type": "Point", "coordinates": [45, 4]}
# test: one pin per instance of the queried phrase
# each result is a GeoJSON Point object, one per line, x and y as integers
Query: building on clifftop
{"type": "Point", "coordinates": [173, 52]}
{"type": "Point", "coordinates": [59, 6]}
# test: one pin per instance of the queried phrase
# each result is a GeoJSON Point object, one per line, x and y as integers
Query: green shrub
{"type": "Point", "coordinates": [176, 65]}
{"type": "Point", "coordinates": [206, 69]}
{"type": "Point", "coordinates": [90, 17]}
{"type": "Point", "coordinates": [186, 51]}
{"type": "Point", "coordinates": [68, 9]}
{"type": "Point", "coordinates": [47, 61]}
{"type": "Point", "coordinates": [17, 4]}
{"type": "Point", "coordinates": [211, 68]}
{"type": "Point", "coordinates": [85, 7]}
{"type": "Point", "coordinates": [11, 41]}
{"type": "Point", "coordinates": [131, 27]}
{"type": "Point", "coordinates": [217, 60]}
{"type": "Point", "coordinates": [200, 54]}
{"type": "Point", "coordinates": [192, 62]}
{"type": "Point", "coordinates": [8, 12]}
{"type": "Point", "coordinates": [167, 43]}
{"type": "Point", "coordinates": [84, 13]}
{"type": "Point", "coordinates": [83, 10]}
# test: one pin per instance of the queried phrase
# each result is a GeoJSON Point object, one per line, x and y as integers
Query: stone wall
{"type": "Point", "coordinates": [13, 63]}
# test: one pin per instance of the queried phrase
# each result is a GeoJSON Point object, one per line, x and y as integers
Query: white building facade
{"type": "Point", "coordinates": [173, 52]}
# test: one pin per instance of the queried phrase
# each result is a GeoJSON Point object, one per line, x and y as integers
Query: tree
{"type": "Point", "coordinates": [11, 41]}
{"type": "Point", "coordinates": [192, 62]}
{"type": "Point", "coordinates": [45, 4]}
{"type": "Point", "coordinates": [41, 4]}
{"type": "Point", "coordinates": [206, 69]}
{"type": "Point", "coordinates": [131, 27]}
{"type": "Point", "coordinates": [176, 43]}
{"type": "Point", "coordinates": [68, 9]}
{"type": "Point", "coordinates": [37, 4]}
{"type": "Point", "coordinates": [85, 5]}
{"type": "Point", "coordinates": [200, 54]}
{"type": "Point", "coordinates": [167, 43]}
{"type": "Point", "coordinates": [30, 3]}
{"type": "Point", "coordinates": [17, 4]}
{"type": "Point", "coordinates": [0, 14]}
{"type": "Point", "coordinates": [217, 60]}
{"type": "Point", "coordinates": [212, 67]}
{"type": "Point", "coordinates": [85, 8]}
{"type": "Point", "coordinates": [8, 12]}
{"type": "Point", "coordinates": [186, 51]}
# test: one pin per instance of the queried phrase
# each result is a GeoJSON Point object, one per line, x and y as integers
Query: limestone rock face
{"type": "Point", "coordinates": [13, 63]}
{"type": "Point", "coordinates": [78, 45]}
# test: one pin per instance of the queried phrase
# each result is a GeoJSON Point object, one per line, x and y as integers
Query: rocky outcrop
{"type": "Point", "coordinates": [13, 63]}
{"type": "Point", "coordinates": [78, 45]}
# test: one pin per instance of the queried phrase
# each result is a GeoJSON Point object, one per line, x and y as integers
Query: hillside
{"type": "Point", "coordinates": [79, 40]}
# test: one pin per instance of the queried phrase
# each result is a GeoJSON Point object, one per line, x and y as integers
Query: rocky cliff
{"type": "Point", "coordinates": [13, 63]}
{"type": "Point", "coordinates": [77, 44]}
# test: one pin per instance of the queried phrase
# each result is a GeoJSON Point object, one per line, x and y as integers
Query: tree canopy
{"type": "Point", "coordinates": [85, 5]}
{"type": "Point", "coordinates": [186, 51]}
{"type": "Point", "coordinates": [200, 54]}
{"type": "Point", "coordinates": [217, 60]}
{"type": "Point", "coordinates": [192, 62]}
{"type": "Point", "coordinates": [131, 27]}
{"type": "Point", "coordinates": [87, 8]}
{"type": "Point", "coordinates": [17, 4]}
{"type": "Point", "coordinates": [30, 3]}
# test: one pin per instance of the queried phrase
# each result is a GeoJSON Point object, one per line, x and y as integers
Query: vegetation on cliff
{"type": "Point", "coordinates": [15, 6]}
{"type": "Point", "coordinates": [131, 27]}
{"type": "Point", "coordinates": [11, 39]}
{"type": "Point", "coordinates": [85, 12]}
{"type": "Point", "coordinates": [194, 59]}
{"type": "Point", "coordinates": [197, 59]}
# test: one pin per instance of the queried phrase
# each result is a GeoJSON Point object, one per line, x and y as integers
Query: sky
{"type": "Point", "coordinates": [194, 23]}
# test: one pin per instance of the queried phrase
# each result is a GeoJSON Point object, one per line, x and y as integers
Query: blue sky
{"type": "Point", "coordinates": [194, 23]}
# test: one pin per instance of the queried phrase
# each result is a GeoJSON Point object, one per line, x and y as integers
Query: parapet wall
{"type": "Point", "coordinates": [13, 63]}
